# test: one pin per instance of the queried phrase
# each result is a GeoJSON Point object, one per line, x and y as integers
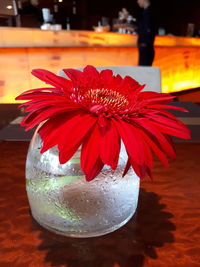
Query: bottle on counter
{"type": "Point", "coordinates": [74, 8]}
{"type": "Point", "coordinates": [68, 27]}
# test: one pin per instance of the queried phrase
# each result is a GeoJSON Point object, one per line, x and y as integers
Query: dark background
{"type": "Point", "coordinates": [173, 15]}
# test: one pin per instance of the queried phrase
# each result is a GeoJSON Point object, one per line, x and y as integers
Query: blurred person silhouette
{"type": "Point", "coordinates": [30, 13]}
{"type": "Point", "coordinates": [146, 33]}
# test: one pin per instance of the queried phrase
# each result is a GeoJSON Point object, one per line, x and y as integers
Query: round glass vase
{"type": "Point", "coordinates": [62, 201]}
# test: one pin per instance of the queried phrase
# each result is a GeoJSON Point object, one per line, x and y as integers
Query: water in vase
{"type": "Point", "coordinates": [64, 202]}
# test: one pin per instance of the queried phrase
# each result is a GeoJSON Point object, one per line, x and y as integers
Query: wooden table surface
{"type": "Point", "coordinates": [164, 232]}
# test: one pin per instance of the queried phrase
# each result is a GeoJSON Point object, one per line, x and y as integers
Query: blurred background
{"type": "Point", "coordinates": [56, 34]}
{"type": "Point", "coordinates": [172, 16]}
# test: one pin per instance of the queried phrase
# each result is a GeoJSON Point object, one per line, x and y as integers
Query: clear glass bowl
{"type": "Point", "coordinates": [62, 201]}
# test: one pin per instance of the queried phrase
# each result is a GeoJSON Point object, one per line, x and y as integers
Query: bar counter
{"type": "Point", "coordinates": [27, 37]}
{"type": "Point", "coordinates": [164, 232]}
{"type": "Point", "coordinates": [23, 49]}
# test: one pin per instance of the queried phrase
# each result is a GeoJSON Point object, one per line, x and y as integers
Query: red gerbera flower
{"type": "Point", "coordinates": [98, 110]}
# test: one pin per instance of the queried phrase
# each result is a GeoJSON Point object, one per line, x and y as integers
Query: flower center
{"type": "Point", "coordinates": [107, 98]}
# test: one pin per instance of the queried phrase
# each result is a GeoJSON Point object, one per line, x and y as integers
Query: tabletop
{"type": "Point", "coordinates": [165, 231]}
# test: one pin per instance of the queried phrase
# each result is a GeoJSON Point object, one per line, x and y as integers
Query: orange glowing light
{"type": "Point", "coordinates": [177, 57]}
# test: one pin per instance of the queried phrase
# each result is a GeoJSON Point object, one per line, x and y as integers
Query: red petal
{"type": "Point", "coordinates": [26, 122]}
{"type": "Point", "coordinates": [97, 167]}
{"type": "Point", "coordinates": [166, 114]}
{"type": "Point", "coordinates": [139, 154]}
{"type": "Point", "coordinates": [90, 160]}
{"type": "Point", "coordinates": [51, 78]}
{"type": "Point", "coordinates": [127, 167]}
{"type": "Point", "coordinates": [76, 76]}
{"type": "Point", "coordinates": [40, 96]}
{"type": "Point", "coordinates": [157, 136]}
{"type": "Point", "coordinates": [129, 84]}
{"type": "Point", "coordinates": [140, 170]}
{"type": "Point", "coordinates": [156, 149]}
{"type": "Point", "coordinates": [109, 144]}
{"type": "Point", "coordinates": [41, 115]}
{"type": "Point", "coordinates": [90, 70]}
{"type": "Point", "coordinates": [31, 92]}
{"type": "Point", "coordinates": [148, 156]}
{"type": "Point", "coordinates": [92, 77]}
{"type": "Point", "coordinates": [167, 107]}
{"type": "Point", "coordinates": [106, 78]}
{"type": "Point", "coordinates": [62, 103]}
{"type": "Point", "coordinates": [171, 127]}
{"type": "Point", "coordinates": [132, 140]}
{"type": "Point", "coordinates": [74, 133]}
{"type": "Point", "coordinates": [52, 130]}
{"type": "Point", "coordinates": [154, 98]}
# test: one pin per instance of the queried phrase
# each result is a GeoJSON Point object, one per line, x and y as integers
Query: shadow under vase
{"type": "Point", "coordinates": [148, 229]}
